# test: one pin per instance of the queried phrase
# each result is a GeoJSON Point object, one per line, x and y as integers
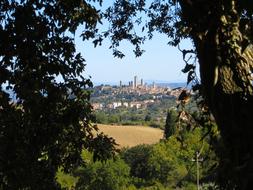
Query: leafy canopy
{"type": "Point", "coordinates": [221, 34]}
{"type": "Point", "coordinates": [45, 114]}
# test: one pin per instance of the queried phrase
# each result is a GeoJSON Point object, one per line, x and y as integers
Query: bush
{"type": "Point", "coordinates": [153, 164]}
{"type": "Point", "coordinates": [110, 175]}
{"type": "Point", "coordinates": [66, 181]}
{"type": "Point", "coordinates": [189, 186]}
{"type": "Point", "coordinates": [137, 158]}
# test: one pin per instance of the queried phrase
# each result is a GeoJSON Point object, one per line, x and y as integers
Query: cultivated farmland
{"type": "Point", "coordinates": [129, 136]}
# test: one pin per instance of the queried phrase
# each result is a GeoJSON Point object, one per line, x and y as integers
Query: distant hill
{"type": "Point", "coordinates": [149, 82]}
{"type": "Point", "coordinates": [172, 85]}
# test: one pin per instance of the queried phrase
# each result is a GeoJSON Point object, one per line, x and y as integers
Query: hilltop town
{"type": "Point", "coordinates": [136, 103]}
{"type": "Point", "coordinates": [135, 94]}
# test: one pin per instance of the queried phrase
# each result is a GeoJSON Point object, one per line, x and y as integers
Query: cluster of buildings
{"type": "Point", "coordinates": [135, 87]}
{"type": "Point", "coordinates": [136, 84]}
{"type": "Point", "coordinates": [117, 104]}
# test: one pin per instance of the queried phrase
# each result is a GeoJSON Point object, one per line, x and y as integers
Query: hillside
{"type": "Point", "coordinates": [129, 136]}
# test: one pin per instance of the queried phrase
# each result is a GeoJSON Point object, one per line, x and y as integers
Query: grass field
{"type": "Point", "coordinates": [129, 136]}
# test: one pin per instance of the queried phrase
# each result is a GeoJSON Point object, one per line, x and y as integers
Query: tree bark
{"type": "Point", "coordinates": [226, 71]}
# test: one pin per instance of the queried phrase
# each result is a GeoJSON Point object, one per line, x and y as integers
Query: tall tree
{"type": "Point", "coordinates": [170, 124]}
{"type": "Point", "coordinates": [45, 114]}
{"type": "Point", "coordinates": [221, 34]}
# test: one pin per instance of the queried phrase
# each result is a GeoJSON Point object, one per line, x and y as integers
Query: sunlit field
{"type": "Point", "coordinates": [129, 136]}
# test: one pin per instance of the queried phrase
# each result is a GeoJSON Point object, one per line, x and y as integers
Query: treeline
{"type": "Point", "coordinates": [130, 117]}
{"type": "Point", "coordinates": [154, 115]}
{"type": "Point", "coordinates": [167, 165]}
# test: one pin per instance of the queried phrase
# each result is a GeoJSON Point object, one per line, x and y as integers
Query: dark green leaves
{"type": "Point", "coordinates": [49, 122]}
{"type": "Point", "coordinates": [103, 146]}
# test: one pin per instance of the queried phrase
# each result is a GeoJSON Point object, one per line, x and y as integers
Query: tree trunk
{"type": "Point", "coordinates": [231, 107]}
{"type": "Point", "coordinates": [226, 77]}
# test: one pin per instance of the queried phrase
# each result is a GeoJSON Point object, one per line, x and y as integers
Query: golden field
{"type": "Point", "coordinates": [129, 136]}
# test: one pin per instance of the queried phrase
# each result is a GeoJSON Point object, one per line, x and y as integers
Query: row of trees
{"type": "Point", "coordinates": [129, 116]}
{"type": "Point", "coordinates": [154, 114]}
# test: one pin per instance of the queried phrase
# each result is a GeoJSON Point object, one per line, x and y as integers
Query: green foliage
{"type": "Point", "coordinates": [170, 161]}
{"type": "Point", "coordinates": [153, 115]}
{"type": "Point", "coordinates": [155, 186]}
{"type": "Point", "coordinates": [151, 167]}
{"type": "Point", "coordinates": [137, 158]}
{"type": "Point", "coordinates": [189, 186]}
{"type": "Point", "coordinates": [66, 181]}
{"type": "Point", "coordinates": [221, 36]}
{"type": "Point", "coordinates": [101, 117]}
{"type": "Point", "coordinates": [97, 175]}
{"type": "Point", "coordinates": [209, 186]}
{"type": "Point", "coordinates": [48, 123]}
{"type": "Point", "coordinates": [109, 175]}
{"type": "Point", "coordinates": [113, 119]}
{"type": "Point", "coordinates": [147, 117]}
{"type": "Point", "coordinates": [166, 165]}
{"type": "Point", "coordinates": [170, 124]}
{"type": "Point", "coordinates": [104, 176]}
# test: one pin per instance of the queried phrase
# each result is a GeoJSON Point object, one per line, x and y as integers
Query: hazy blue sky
{"type": "Point", "coordinates": [159, 62]}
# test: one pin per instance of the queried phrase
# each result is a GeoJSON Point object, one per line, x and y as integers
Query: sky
{"type": "Point", "coordinates": [160, 62]}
